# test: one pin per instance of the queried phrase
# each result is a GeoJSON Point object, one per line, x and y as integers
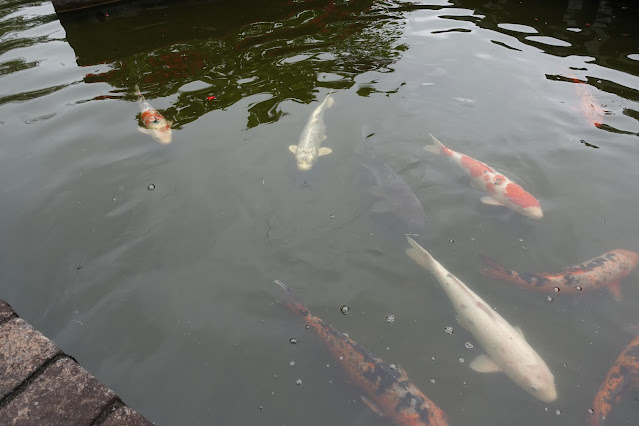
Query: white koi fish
{"type": "Point", "coordinates": [501, 190]}
{"type": "Point", "coordinates": [308, 148]}
{"type": "Point", "coordinates": [506, 348]}
{"type": "Point", "coordinates": [155, 124]}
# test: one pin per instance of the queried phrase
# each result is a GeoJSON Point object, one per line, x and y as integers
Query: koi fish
{"type": "Point", "coordinates": [387, 389]}
{"type": "Point", "coordinates": [506, 348]}
{"type": "Point", "coordinates": [623, 374]}
{"type": "Point", "coordinates": [501, 190]}
{"type": "Point", "coordinates": [154, 123]}
{"type": "Point", "coordinates": [606, 270]}
{"type": "Point", "coordinates": [308, 149]}
{"type": "Point", "coordinates": [394, 194]}
{"type": "Point", "coordinates": [591, 110]}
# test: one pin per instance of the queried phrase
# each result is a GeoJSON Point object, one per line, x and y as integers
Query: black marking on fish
{"type": "Point", "coordinates": [538, 280]}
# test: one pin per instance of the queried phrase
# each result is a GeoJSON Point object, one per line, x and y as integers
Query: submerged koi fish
{"type": "Point", "coordinates": [309, 148]}
{"type": "Point", "coordinates": [506, 348]}
{"type": "Point", "coordinates": [388, 391]}
{"type": "Point", "coordinates": [591, 110]}
{"type": "Point", "coordinates": [501, 190]}
{"type": "Point", "coordinates": [606, 270]}
{"type": "Point", "coordinates": [154, 123]}
{"type": "Point", "coordinates": [622, 377]}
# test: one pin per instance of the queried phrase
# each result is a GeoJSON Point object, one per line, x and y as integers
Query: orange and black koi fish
{"type": "Point", "coordinates": [606, 270]}
{"type": "Point", "coordinates": [155, 124]}
{"type": "Point", "coordinates": [622, 376]}
{"type": "Point", "coordinates": [388, 391]}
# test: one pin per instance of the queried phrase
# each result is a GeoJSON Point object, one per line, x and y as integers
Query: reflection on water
{"type": "Point", "coordinates": [153, 264]}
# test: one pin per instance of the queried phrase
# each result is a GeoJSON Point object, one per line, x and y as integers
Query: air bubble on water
{"type": "Point", "coordinates": [293, 340]}
{"type": "Point", "coordinates": [345, 334]}
{"type": "Point", "coordinates": [578, 288]}
{"type": "Point", "coordinates": [332, 216]}
{"type": "Point", "coordinates": [557, 289]}
{"type": "Point", "coordinates": [433, 358]}
{"type": "Point", "coordinates": [521, 240]}
{"type": "Point", "coordinates": [448, 330]}
{"type": "Point", "coordinates": [292, 363]}
{"type": "Point", "coordinates": [472, 238]}
{"type": "Point", "coordinates": [591, 411]}
{"type": "Point", "coordinates": [432, 380]}
{"type": "Point", "coordinates": [307, 326]}
{"type": "Point", "coordinates": [565, 364]}
{"type": "Point", "coordinates": [150, 187]}
{"type": "Point", "coordinates": [341, 358]}
{"type": "Point", "coordinates": [461, 360]}
{"type": "Point", "coordinates": [299, 382]}
{"type": "Point", "coordinates": [468, 345]}
{"type": "Point", "coordinates": [558, 412]}
{"type": "Point", "coordinates": [345, 309]}
{"type": "Point", "coordinates": [450, 240]}
{"type": "Point", "coordinates": [390, 318]}
{"type": "Point", "coordinates": [392, 366]}
{"type": "Point", "coordinates": [549, 298]}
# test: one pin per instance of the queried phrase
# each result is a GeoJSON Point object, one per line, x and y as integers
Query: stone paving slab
{"type": "Point", "coordinates": [64, 394]}
{"type": "Point", "coordinates": [124, 416]}
{"type": "Point", "coordinates": [23, 350]}
{"type": "Point", "coordinates": [5, 311]}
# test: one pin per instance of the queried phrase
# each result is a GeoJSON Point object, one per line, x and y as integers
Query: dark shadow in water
{"type": "Point", "coordinates": [227, 51]}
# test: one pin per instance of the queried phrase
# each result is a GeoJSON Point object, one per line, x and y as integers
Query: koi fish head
{"type": "Point", "coordinates": [523, 202]}
{"type": "Point", "coordinates": [633, 258]}
{"type": "Point", "coordinates": [305, 159]}
{"type": "Point", "coordinates": [538, 381]}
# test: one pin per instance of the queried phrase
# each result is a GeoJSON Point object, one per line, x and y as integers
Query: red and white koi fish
{"type": "Point", "coordinates": [622, 380]}
{"type": "Point", "coordinates": [387, 389]}
{"type": "Point", "coordinates": [606, 270]}
{"type": "Point", "coordinates": [501, 190]}
{"type": "Point", "coordinates": [154, 123]}
{"type": "Point", "coordinates": [590, 108]}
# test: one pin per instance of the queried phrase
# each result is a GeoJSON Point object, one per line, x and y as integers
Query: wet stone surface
{"type": "Point", "coordinates": [23, 350]}
{"type": "Point", "coordinates": [64, 394]}
{"type": "Point", "coordinates": [125, 416]}
{"type": "Point", "coordinates": [5, 311]}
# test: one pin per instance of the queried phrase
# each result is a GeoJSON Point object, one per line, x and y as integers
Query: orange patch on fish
{"type": "Point", "coordinates": [475, 168]}
{"type": "Point", "coordinates": [520, 196]}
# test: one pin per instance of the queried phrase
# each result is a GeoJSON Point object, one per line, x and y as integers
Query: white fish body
{"type": "Point", "coordinates": [507, 349]}
{"type": "Point", "coordinates": [155, 125]}
{"type": "Point", "coordinates": [309, 149]}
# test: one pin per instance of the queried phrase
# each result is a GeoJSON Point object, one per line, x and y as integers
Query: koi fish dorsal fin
{"type": "Point", "coordinates": [435, 148]}
{"type": "Point", "coordinates": [484, 364]}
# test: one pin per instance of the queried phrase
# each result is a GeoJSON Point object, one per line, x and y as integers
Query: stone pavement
{"type": "Point", "coordinates": [41, 385]}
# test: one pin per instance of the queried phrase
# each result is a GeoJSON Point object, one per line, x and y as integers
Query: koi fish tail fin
{"type": "Point", "coordinates": [495, 270]}
{"type": "Point", "coordinates": [437, 147]}
{"type": "Point", "coordinates": [138, 93]}
{"type": "Point", "coordinates": [421, 256]}
{"type": "Point", "coordinates": [292, 302]}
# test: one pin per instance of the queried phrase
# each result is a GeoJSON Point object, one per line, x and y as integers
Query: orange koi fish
{"type": "Point", "coordinates": [623, 374]}
{"type": "Point", "coordinates": [591, 110]}
{"type": "Point", "coordinates": [154, 123]}
{"type": "Point", "coordinates": [501, 190]}
{"type": "Point", "coordinates": [387, 389]}
{"type": "Point", "coordinates": [606, 270]}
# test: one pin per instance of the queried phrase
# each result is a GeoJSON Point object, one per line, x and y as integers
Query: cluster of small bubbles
{"type": "Point", "coordinates": [151, 187]}
{"type": "Point", "coordinates": [591, 411]}
{"type": "Point", "coordinates": [558, 412]}
{"type": "Point", "coordinates": [390, 318]}
{"type": "Point", "coordinates": [450, 240]}
{"type": "Point", "coordinates": [448, 330]}
{"type": "Point", "coordinates": [292, 363]}
{"type": "Point", "coordinates": [549, 298]}
{"type": "Point", "coordinates": [345, 334]}
{"type": "Point", "coordinates": [468, 345]}
{"type": "Point", "coordinates": [345, 309]}
{"type": "Point", "coordinates": [299, 382]}
{"type": "Point", "coordinates": [332, 216]}
{"type": "Point", "coordinates": [461, 360]}
{"type": "Point", "coordinates": [392, 366]}
{"type": "Point", "coordinates": [557, 289]}
{"type": "Point", "coordinates": [293, 340]}
{"type": "Point", "coordinates": [578, 288]}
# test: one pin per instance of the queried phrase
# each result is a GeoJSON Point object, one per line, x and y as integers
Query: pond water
{"type": "Point", "coordinates": [167, 295]}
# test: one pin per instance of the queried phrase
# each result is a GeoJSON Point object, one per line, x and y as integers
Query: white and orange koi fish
{"type": "Point", "coordinates": [501, 190]}
{"type": "Point", "coordinates": [155, 124]}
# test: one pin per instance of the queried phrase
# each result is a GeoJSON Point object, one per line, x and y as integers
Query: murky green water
{"type": "Point", "coordinates": [167, 295]}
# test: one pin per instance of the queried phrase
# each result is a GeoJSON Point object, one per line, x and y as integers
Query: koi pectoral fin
{"type": "Point", "coordinates": [371, 405]}
{"type": "Point", "coordinates": [324, 151]}
{"type": "Point", "coordinates": [144, 130]}
{"type": "Point", "coordinates": [484, 364]}
{"type": "Point", "coordinates": [491, 201]}
{"type": "Point", "coordinates": [292, 148]}
{"type": "Point", "coordinates": [615, 289]}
